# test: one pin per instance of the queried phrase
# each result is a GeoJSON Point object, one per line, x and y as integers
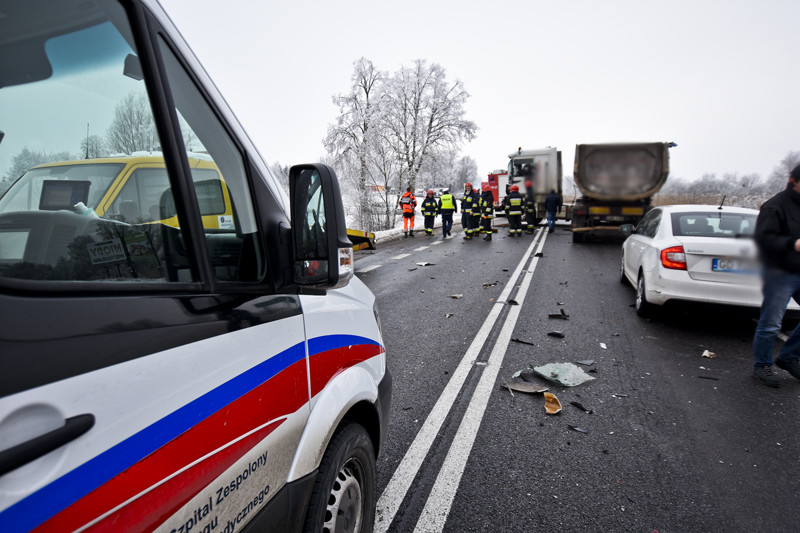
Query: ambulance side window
{"type": "Point", "coordinates": [224, 198]}
{"type": "Point", "coordinates": [55, 221]}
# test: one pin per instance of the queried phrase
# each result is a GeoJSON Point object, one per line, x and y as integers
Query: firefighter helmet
{"type": "Point", "coordinates": [485, 186]}
{"type": "Point", "coordinates": [528, 184]}
{"type": "Point", "coordinates": [430, 192]}
{"type": "Point", "coordinates": [514, 188]}
{"type": "Point", "coordinates": [467, 185]}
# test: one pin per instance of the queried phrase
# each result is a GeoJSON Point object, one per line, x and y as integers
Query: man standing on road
{"type": "Point", "coordinates": [487, 211]}
{"type": "Point", "coordinates": [429, 210]}
{"type": "Point", "coordinates": [469, 203]}
{"type": "Point", "coordinates": [778, 238]}
{"type": "Point", "coordinates": [447, 205]}
{"type": "Point", "coordinates": [514, 204]}
{"type": "Point", "coordinates": [409, 204]}
{"type": "Point", "coordinates": [552, 205]}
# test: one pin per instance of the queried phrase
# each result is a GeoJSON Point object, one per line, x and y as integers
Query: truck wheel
{"type": "Point", "coordinates": [343, 500]}
{"type": "Point", "coordinates": [643, 308]}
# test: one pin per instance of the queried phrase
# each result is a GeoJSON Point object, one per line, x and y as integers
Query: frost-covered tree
{"type": "Point", "coordinates": [466, 171]}
{"type": "Point", "coordinates": [776, 181]}
{"type": "Point", "coordinates": [351, 140]}
{"type": "Point", "coordinates": [133, 128]}
{"type": "Point", "coordinates": [425, 115]}
{"type": "Point", "coordinates": [92, 147]}
{"type": "Point", "coordinates": [27, 159]}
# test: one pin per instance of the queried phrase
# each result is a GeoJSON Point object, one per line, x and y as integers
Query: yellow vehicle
{"type": "Point", "coordinates": [127, 189]}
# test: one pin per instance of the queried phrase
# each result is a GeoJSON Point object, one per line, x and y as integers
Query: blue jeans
{"type": "Point", "coordinates": [447, 223]}
{"type": "Point", "coordinates": [779, 288]}
{"type": "Point", "coordinates": [551, 219]}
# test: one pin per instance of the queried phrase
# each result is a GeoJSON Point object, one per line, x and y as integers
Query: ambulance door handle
{"type": "Point", "coordinates": [26, 452]}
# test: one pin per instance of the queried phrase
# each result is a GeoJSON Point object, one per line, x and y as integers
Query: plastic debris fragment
{"type": "Point", "coordinates": [424, 264]}
{"type": "Point", "coordinates": [577, 428]}
{"type": "Point", "coordinates": [557, 334]}
{"type": "Point", "coordinates": [710, 355]}
{"type": "Point", "coordinates": [524, 386]}
{"type": "Point", "coordinates": [551, 404]}
{"type": "Point", "coordinates": [512, 302]}
{"type": "Point", "coordinates": [448, 315]}
{"type": "Point", "coordinates": [708, 377]}
{"type": "Point", "coordinates": [603, 346]}
{"type": "Point", "coordinates": [580, 406]}
{"type": "Point", "coordinates": [586, 362]}
{"type": "Point", "coordinates": [456, 296]}
{"type": "Point", "coordinates": [562, 315]}
{"type": "Point", "coordinates": [487, 285]}
{"type": "Point", "coordinates": [514, 339]}
{"type": "Point", "coordinates": [566, 374]}
{"type": "Point", "coordinates": [538, 254]}
{"type": "Point", "coordinates": [619, 395]}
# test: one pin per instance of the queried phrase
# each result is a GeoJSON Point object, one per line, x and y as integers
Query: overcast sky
{"type": "Point", "coordinates": [720, 78]}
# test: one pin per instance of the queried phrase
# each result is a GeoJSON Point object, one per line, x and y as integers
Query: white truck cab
{"type": "Point", "coordinates": [179, 350]}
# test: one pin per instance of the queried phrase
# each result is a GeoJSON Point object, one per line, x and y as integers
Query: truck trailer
{"type": "Point", "coordinates": [617, 183]}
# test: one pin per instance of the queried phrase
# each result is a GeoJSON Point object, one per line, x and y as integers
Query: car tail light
{"type": "Point", "coordinates": [674, 258]}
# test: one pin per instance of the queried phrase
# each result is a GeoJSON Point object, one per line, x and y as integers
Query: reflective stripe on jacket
{"type": "Point", "coordinates": [428, 207]}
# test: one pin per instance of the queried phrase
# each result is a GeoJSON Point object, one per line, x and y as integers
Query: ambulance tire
{"type": "Point", "coordinates": [344, 495]}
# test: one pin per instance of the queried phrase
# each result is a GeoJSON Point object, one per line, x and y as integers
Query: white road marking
{"type": "Point", "coordinates": [368, 269]}
{"type": "Point", "coordinates": [437, 507]}
{"type": "Point", "coordinates": [401, 256]}
{"type": "Point", "coordinates": [420, 248]}
{"type": "Point", "coordinates": [406, 471]}
{"type": "Point", "coordinates": [434, 243]}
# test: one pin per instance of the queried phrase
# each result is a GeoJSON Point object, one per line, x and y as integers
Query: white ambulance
{"type": "Point", "coordinates": [196, 357]}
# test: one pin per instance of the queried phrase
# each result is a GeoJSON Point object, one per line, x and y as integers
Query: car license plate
{"type": "Point", "coordinates": [733, 265]}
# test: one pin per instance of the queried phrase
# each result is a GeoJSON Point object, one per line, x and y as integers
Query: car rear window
{"type": "Point", "coordinates": [724, 225]}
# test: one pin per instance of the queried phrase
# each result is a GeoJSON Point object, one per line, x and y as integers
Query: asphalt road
{"type": "Point", "coordinates": [674, 442]}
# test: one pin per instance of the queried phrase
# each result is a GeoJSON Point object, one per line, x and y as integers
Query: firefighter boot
{"type": "Point", "coordinates": [406, 235]}
{"type": "Point", "coordinates": [411, 233]}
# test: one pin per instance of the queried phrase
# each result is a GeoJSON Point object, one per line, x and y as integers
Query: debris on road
{"type": "Point", "coordinates": [580, 406]}
{"type": "Point", "coordinates": [708, 377]}
{"type": "Point", "coordinates": [425, 264]}
{"type": "Point", "coordinates": [412, 269]}
{"type": "Point", "coordinates": [558, 334]}
{"type": "Point", "coordinates": [551, 404]}
{"type": "Point", "coordinates": [586, 362]}
{"type": "Point", "coordinates": [512, 302]}
{"type": "Point", "coordinates": [422, 290]}
{"type": "Point", "coordinates": [603, 346]}
{"type": "Point", "coordinates": [514, 339]}
{"type": "Point", "coordinates": [524, 386]}
{"type": "Point", "coordinates": [448, 315]}
{"type": "Point", "coordinates": [487, 285]}
{"type": "Point", "coordinates": [456, 296]}
{"type": "Point", "coordinates": [619, 395]}
{"type": "Point", "coordinates": [562, 315]}
{"type": "Point", "coordinates": [505, 270]}
{"type": "Point", "coordinates": [577, 428]}
{"type": "Point", "coordinates": [710, 355]}
{"type": "Point", "coordinates": [559, 303]}
{"type": "Point", "coordinates": [566, 374]}
{"type": "Point", "coordinates": [538, 254]}
{"type": "Point", "coordinates": [481, 363]}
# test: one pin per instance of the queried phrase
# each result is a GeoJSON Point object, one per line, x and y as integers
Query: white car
{"type": "Point", "coordinates": [696, 253]}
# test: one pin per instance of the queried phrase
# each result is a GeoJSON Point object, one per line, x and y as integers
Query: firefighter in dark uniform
{"type": "Point", "coordinates": [530, 208]}
{"type": "Point", "coordinates": [469, 203]}
{"type": "Point", "coordinates": [429, 210]}
{"type": "Point", "coordinates": [514, 205]}
{"type": "Point", "coordinates": [487, 211]}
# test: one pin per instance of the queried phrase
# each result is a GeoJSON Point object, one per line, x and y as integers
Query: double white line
{"type": "Point", "coordinates": [434, 515]}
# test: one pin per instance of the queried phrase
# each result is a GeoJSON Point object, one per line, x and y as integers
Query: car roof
{"type": "Point", "coordinates": [706, 208]}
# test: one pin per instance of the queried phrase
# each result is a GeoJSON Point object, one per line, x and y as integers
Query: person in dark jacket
{"type": "Point", "coordinates": [469, 203]}
{"type": "Point", "coordinates": [513, 204]}
{"type": "Point", "coordinates": [777, 236]}
{"type": "Point", "coordinates": [429, 210]}
{"type": "Point", "coordinates": [552, 205]}
{"type": "Point", "coordinates": [486, 204]}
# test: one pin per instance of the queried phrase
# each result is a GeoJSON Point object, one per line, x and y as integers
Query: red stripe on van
{"type": "Point", "coordinates": [266, 402]}
{"type": "Point", "coordinates": [324, 366]}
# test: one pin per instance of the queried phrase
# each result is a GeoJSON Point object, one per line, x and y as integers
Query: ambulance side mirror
{"type": "Point", "coordinates": [323, 254]}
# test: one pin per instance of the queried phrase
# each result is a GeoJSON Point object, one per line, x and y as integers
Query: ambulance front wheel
{"type": "Point", "coordinates": [343, 500]}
